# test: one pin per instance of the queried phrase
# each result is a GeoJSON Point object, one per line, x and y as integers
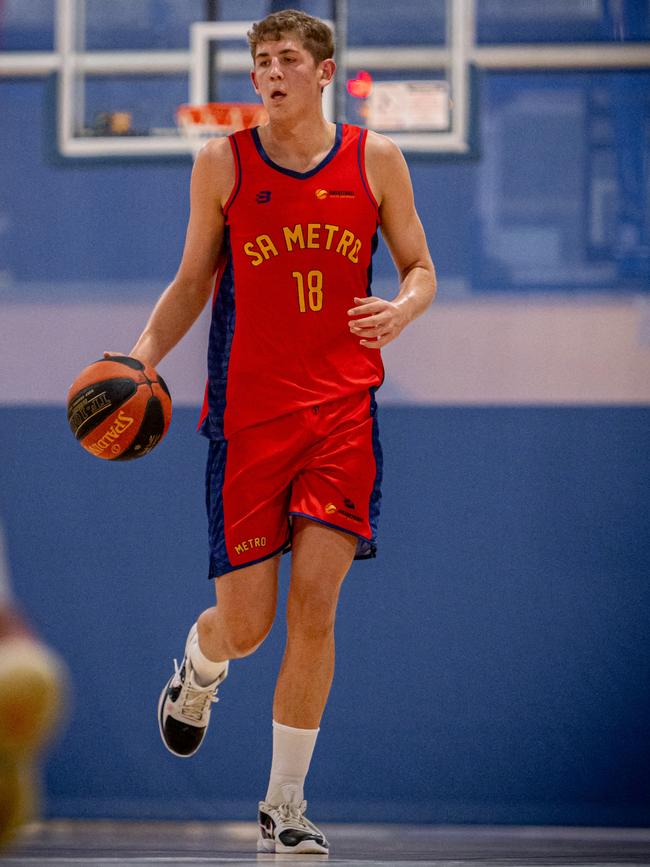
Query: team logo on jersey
{"type": "Point", "coordinates": [334, 194]}
{"type": "Point", "coordinates": [330, 508]}
{"type": "Point", "coordinates": [263, 197]}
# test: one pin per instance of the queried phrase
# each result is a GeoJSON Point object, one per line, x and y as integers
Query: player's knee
{"type": "Point", "coordinates": [244, 634]}
{"type": "Point", "coordinates": [241, 632]}
{"type": "Point", "coordinates": [311, 611]}
{"type": "Point", "coordinates": [244, 642]}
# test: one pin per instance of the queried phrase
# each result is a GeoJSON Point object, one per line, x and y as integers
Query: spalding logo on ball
{"type": "Point", "coordinates": [119, 408]}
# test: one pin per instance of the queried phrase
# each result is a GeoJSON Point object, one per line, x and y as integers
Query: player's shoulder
{"type": "Point", "coordinates": [385, 166]}
{"type": "Point", "coordinates": [214, 165]}
{"type": "Point", "coordinates": [381, 149]}
{"type": "Point", "coordinates": [216, 153]}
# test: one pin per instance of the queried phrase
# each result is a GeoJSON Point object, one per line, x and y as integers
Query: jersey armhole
{"type": "Point", "coordinates": [362, 169]}
{"type": "Point", "coordinates": [237, 160]}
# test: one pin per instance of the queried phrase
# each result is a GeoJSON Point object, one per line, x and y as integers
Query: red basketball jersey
{"type": "Point", "coordinates": [298, 249]}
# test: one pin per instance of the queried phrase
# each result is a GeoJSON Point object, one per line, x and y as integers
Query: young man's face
{"type": "Point", "coordinates": [287, 77]}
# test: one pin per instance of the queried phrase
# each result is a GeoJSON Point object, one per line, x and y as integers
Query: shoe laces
{"type": "Point", "coordinates": [196, 699]}
{"type": "Point", "coordinates": [294, 812]}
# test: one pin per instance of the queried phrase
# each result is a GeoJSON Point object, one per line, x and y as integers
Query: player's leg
{"type": "Point", "coordinates": [320, 561]}
{"type": "Point", "coordinates": [233, 628]}
{"type": "Point", "coordinates": [321, 558]}
{"type": "Point", "coordinates": [244, 613]}
{"type": "Point", "coordinates": [335, 505]}
{"type": "Point", "coordinates": [247, 490]}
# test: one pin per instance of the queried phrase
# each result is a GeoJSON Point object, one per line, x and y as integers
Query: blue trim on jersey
{"type": "Point", "coordinates": [300, 175]}
{"type": "Point", "coordinates": [215, 474]}
{"type": "Point", "coordinates": [374, 243]}
{"type": "Point", "coordinates": [361, 172]}
{"type": "Point", "coordinates": [234, 195]}
{"type": "Point", "coordinates": [222, 330]}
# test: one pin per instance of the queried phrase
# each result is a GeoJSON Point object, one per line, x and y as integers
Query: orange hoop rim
{"type": "Point", "coordinates": [213, 118]}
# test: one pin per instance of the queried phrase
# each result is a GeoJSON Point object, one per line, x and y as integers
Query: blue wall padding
{"type": "Point", "coordinates": [493, 662]}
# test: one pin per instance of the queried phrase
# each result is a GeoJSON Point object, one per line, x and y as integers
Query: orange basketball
{"type": "Point", "coordinates": [119, 408]}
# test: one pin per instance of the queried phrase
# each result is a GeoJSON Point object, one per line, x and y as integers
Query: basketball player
{"type": "Point", "coordinates": [285, 216]}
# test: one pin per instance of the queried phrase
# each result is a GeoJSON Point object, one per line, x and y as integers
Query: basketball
{"type": "Point", "coordinates": [119, 408]}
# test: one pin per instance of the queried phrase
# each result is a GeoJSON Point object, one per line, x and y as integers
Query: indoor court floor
{"type": "Point", "coordinates": [188, 843]}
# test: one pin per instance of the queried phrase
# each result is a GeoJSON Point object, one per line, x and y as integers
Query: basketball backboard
{"type": "Point", "coordinates": [123, 102]}
{"type": "Point", "coordinates": [122, 69]}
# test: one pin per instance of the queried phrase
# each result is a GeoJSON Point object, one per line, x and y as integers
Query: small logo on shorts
{"type": "Point", "coordinates": [249, 544]}
{"type": "Point", "coordinates": [350, 516]}
{"type": "Point", "coordinates": [330, 508]}
{"type": "Point", "coordinates": [349, 510]}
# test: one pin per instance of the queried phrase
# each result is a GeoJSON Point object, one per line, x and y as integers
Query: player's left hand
{"type": "Point", "coordinates": [376, 321]}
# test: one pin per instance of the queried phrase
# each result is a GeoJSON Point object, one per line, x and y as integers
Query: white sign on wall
{"type": "Point", "coordinates": [409, 105]}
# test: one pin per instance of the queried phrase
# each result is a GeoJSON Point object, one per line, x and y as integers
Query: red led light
{"type": "Point", "coordinates": [361, 85]}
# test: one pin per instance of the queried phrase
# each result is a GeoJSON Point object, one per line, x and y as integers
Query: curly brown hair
{"type": "Point", "coordinates": [314, 34]}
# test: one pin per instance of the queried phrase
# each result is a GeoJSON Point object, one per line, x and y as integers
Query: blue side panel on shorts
{"type": "Point", "coordinates": [365, 549]}
{"type": "Point", "coordinates": [222, 329]}
{"type": "Point", "coordinates": [215, 473]}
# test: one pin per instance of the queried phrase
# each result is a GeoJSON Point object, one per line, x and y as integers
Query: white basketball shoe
{"type": "Point", "coordinates": [286, 829]}
{"type": "Point", "coordinates": [184, 706]}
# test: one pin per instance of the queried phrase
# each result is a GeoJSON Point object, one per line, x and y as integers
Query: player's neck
{"type": "Point", "coordinates": [298, 145]}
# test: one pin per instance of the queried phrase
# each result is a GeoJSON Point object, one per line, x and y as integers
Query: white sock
{"type": "Point", "coordinates": [292, 752]}
{"type": "Point", "coordinates": [206, 671]}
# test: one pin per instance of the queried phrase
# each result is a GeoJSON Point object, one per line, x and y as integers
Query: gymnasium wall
{"type": "Point", "coordinates": [493, 660]}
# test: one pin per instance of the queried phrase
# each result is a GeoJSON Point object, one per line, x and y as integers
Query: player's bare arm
{"type": "Point", "coordinates": [182, 301]}
{"type": "Point", "coordinates": [375, 320]}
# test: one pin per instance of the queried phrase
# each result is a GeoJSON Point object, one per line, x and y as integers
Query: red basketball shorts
{"type": "Point", "coordinates": [323, 463]}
